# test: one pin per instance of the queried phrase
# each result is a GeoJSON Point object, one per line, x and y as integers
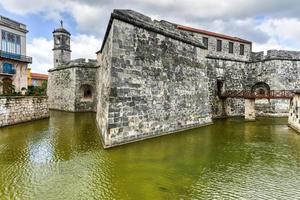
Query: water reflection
{"type": "Point", "coordinates": [62, 158]}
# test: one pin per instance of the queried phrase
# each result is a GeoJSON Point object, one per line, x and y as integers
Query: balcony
{"type": "Point", "coordinates": [12, 56]}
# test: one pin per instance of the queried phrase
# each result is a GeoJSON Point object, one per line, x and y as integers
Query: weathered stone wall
{"type": "Point", "coordinates": [281, 71]}
{"type": "Point", "coordinates": [14, 110]}
{"type": "Point", "coordinates": [85, 77]}
{"type": "Point", "coordinates": [103, 87]}
{"type": "Point", "coordinates": [60, 56]}
{"type": "Point", "coordinates": [278, 69]}
{"type": "Point", "coordinates": [61, 89]}
{"type": "Point", "coordinates": [158, 85]}
{"type": "Point", "coordinates": [67, 85]}
{"type": "Point", "coordinates": [294, 112]}
{"type": "Point", "coordinates": [250, 109]}
{"type": "Point", "coordinates": [231, 73]}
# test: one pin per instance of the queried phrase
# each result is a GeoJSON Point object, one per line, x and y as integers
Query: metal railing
{"type": "Point", "coordinates": [248, 94]}
{"type": "Point", "coordinates": [12, 56]}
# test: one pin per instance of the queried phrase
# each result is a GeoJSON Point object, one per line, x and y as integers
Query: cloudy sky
{"type": "Point", "coordinates": [270, 24]}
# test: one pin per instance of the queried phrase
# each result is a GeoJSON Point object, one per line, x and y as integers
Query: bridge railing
{"type": "Point", "coordinates": [248, 94]}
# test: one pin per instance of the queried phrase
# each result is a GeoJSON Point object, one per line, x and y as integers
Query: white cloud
{"type": "Point", "coordinates": [89, 18]}
{"type": "Point", "coordinates": [40, 49]}
{"type": "Point", "coordinates": [85, 46]}
{"type": "Point", "coordinates": [92, 15]}
{"type": "Point", "coordinates": [283, 33]}
{"type": "Point", "coordinates": [82, 46]}
{"type": "Point", "coordinates": [268, 23]}
{"type": "Point", "coordinates": [24, 7]}
{"type": "Point", "coordinates": [285, 28]}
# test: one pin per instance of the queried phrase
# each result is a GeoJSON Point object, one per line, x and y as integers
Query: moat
{"type": "Point", "coordinates": [62, 158]}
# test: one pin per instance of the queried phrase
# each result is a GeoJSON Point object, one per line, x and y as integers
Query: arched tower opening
{"type": "Point", "coordinates": [261, 89]}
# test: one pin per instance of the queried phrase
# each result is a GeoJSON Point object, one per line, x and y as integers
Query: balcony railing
{"type": "Point", "coordinates": [12, 56]}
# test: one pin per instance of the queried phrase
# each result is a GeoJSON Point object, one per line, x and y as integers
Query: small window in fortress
{"type": "Point", "coordinates": [242, 49]}
{"type": "Point", "coordinates": [230, 47]}
{"type": "Point", "coordinates": [205, 42]}
{"type": "Point", "coordinates": [220, 86]}
{"type": "Point", "coordinates": [87, 93]}
{"type": "Point", "coordinates": [219, 45]}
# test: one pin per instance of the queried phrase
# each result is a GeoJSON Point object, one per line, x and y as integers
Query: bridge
{"type": "Point", "coordinates": [257, 93]}
{"type": "Point", "coordinates": [260, 94]}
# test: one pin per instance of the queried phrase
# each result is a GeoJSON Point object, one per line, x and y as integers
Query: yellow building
{"type": "Point", "coordinates": [35, 79]}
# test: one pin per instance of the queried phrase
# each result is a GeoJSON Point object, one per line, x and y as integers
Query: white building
{"type": "Point", "coordinates": [13, 59]}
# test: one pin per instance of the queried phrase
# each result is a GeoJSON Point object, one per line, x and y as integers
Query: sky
{"type": "Point", "coordinates": [270, 24]}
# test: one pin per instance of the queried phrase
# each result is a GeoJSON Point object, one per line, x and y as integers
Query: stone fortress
{"type": "Point", "coordinates": [155, 77]}
{"type": "Point", "coordinates": [71, 83]}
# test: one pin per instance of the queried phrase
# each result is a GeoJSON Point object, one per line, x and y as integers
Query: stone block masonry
{"type": "Point", "coordinates": [155, 84]}
{"type": "Point", "coordinates": [294, 113]}
{"type": "Point", "coordinates": [71, 87]}
{"type": "Point", "coordinates": [14, 110]}
{"type": "Point", "coordinates": [250, 109]}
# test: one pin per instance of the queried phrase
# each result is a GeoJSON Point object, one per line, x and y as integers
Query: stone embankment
{"type": "Point", "coordinates": [14, 110]}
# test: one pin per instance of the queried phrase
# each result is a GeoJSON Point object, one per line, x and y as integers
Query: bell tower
{"type": "Point", "coordinates": [62, 49]}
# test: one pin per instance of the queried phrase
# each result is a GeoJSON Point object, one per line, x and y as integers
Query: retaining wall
{"type": "Point", "coordinates": [14, 110]}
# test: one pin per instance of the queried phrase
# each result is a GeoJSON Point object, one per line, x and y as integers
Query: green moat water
{"type": "Point", "coordinates": [62, 158]}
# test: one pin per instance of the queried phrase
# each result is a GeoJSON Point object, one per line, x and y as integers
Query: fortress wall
{"type": "Point", "coordinates": [61, 89]}
{"type": "Point", "coordinates": [294, 113]}
{"type": "Point", "coordinates": [279, 75]}
{"type": "Point", "coordinates": [158, 85]}
{"type": "Point", "coordinates": [231, 73]}
{"type": "Point", "coordinates": [85, 80]}
{"type": "Point", "coordinates": [279, 69]}
{"type": "Point", "coordinates": [103, 85]}
{"type": "Point", "coordinates": [68, 84]}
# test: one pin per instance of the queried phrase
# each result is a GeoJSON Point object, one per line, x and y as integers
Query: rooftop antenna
{"type": "Point", "coordinates": [61, 23]}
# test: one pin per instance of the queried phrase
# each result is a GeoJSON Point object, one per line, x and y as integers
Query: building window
{"type": "Point", "coordinates": [11, 43]}
{"type": "Point", "coordinates": [7, 68]}
{"type": "Point", "coordinates": [230, 47]}
{"type": "Point", "coordinates": [205, 42]}
{"type": "Point", "coordinates": [242, 49]}
{"type": "Point", "coordinates": [219, 45]}
{"type": "Point", "coordinates": [35, 82]}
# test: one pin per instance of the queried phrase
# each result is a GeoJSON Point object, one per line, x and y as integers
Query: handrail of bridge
{"type": "Point", "coordinates": [248, 94]}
